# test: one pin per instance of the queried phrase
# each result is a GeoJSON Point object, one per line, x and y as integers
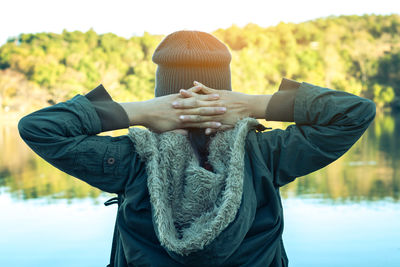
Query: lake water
{"type": "Point", "coordinates": [347, 214]}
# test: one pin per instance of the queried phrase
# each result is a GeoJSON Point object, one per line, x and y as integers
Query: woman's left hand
{"type": "Point", "coordinates": [238, 105]}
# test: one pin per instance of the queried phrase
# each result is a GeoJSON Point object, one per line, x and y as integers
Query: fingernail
{"type": "Point", "coordinates": [222, 109]}
{"type": "Point", "coordinates": [182, 117]}
{"type": "Point", "coordinates": [218, 124]}
{"type": "Point", "coordinates": [175, 104]}
{"type": "Point", "coordinates": [215, 95]}
{"type": "Point", "coordinates": [196, 82]}
{"type": "Point", "coordinates": [208, 131]}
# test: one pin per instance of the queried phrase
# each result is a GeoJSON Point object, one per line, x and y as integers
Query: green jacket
{"type": "Point", "coordinates": [245, 222]}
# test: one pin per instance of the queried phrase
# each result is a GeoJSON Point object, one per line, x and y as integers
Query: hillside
{"type": "Point", "coordinates": [358, 54]}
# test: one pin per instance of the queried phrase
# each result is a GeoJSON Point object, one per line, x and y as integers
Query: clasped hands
{"type": "Point", "coordinates": [197, 107]}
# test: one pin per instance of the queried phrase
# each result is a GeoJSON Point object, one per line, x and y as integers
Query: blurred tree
{"type": "Point", "coordinates": [357, 54]}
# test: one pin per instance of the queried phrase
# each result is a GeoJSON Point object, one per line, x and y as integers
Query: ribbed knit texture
{"type": "Point", "coordinates": [187, 56]}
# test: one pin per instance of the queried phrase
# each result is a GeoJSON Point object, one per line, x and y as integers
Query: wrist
{"type": "Point", "coordinates": [257, 105]}
{"type": "Point", "coordinates": [136, 111]}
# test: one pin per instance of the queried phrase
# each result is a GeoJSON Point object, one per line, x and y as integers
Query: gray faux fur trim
{"type": "Point", "coordinates": [192, 206]}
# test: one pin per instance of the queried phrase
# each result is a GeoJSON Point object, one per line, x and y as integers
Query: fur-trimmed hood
{"type": "Point", "coordinates": [195, 210]}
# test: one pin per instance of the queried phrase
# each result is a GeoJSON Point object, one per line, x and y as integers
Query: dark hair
{"type": "Point", "coordinates": [200, 144]}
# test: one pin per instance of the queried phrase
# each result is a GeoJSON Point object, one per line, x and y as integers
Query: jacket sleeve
{"type": "Point", "coordinates": [65, 135]}
{"type": "Point", "coordinates": [327, 124]}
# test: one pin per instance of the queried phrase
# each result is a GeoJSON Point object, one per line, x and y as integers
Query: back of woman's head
{"type": "Point", "coordinates": [186, 56]}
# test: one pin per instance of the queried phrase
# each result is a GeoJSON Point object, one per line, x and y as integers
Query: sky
{"type": "Point", "coordinates": [127, 18]}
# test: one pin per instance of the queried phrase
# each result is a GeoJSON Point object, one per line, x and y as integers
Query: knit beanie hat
{"type": "Point", "coordinates": [187, 56]}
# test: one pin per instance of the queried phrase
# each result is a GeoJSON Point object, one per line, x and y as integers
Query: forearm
{"type": "Point", "coordinates": [79, 117]}
{"type": "Point", "coordinates": [327, 124]}
{"type": "Point", "coordinates": [115, 115]}
{"type": "Point", "coordinates": [111, 114]}
{"type": "Point", "coordinates": [55, 132]}
{"type": "Point", "coordinates": [321, 106]}
{"type": "Point", "coordinates": [137, 112]}
{"type": "Point", "coordinates": [281, 104]}
{"type": "Point", "coordinates": [325, 107]}
{"type": "Point", "coordinates": [276, 107]}
{"type": "Point", "coordinates": [65, 135]}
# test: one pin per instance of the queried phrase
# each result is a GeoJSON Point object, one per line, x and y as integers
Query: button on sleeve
{"type": "Point", "coordinates": [111, 161]}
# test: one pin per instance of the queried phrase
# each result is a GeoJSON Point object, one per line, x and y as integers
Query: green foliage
{"type": "Point", "coordinates": [350, 53]}
{"type": "Point", "coordinates": [357, 54]}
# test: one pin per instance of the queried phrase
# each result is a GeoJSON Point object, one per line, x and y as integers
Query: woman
{"type": "Point", "coordinates": [187, 198]}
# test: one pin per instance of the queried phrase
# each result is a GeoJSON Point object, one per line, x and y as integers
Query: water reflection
{"type": "Point", "coordinates": [368, 172]}
{"type": "Point", "coordinates": [24, 175]}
